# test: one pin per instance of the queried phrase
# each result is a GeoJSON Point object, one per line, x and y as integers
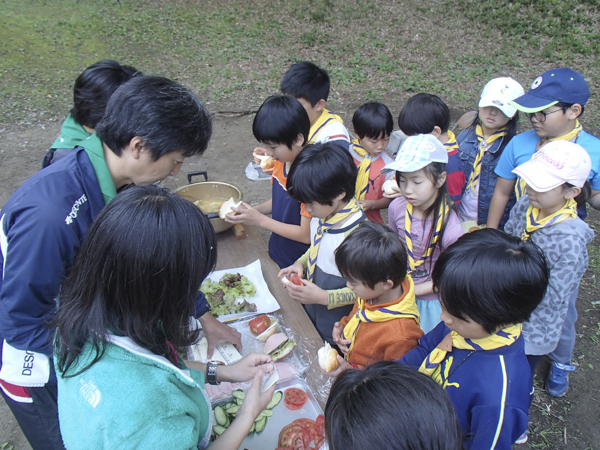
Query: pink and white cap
{"type": "Point", "coordinates": [556, 163]}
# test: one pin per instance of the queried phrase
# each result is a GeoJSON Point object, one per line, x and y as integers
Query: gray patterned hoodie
{"type": "Point", "coordinates": [564, 245]}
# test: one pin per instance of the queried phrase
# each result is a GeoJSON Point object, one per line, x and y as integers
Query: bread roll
{"type": "Point", "coordinates": [389, 185]}
{"type": "Point", "coordinates": [226, 207]}
{"type": "Point", "coordinates": [267, 163]}
{"type": "Point", "coordinates": [328, 358]}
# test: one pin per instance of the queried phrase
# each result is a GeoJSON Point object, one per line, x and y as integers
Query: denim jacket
{"type": "Point", "coordinates": [467, 152]}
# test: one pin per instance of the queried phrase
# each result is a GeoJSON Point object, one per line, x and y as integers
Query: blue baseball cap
{"type": "Point", "coordinates": [417, 152]}
{"type": "Point", "coordinates": [563, 85]}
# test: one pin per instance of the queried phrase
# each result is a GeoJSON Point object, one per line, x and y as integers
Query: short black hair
{"type": "Point", "coordinates": [372, 254]}
{"type": "Point", "coordinates": [372, 120]}
{"type": "Point", "coordinates": [93, 88]}
{"type": "Point", "coordinates": [422, 113]}
{"type": "Point", "coordinates": [167, 116]}
{"type": "Point", "coordinates": [491, 278]}
{"type": "Point", "coordinates": [279, 120]}
{"type": "Point", "coordinates": [306, 80]}
{"type": "Point", "coordinates": [136, 275]}
{"type": "Point", "coordinates": [369, 410]}
{"type": "Point", "coordinates": [320, 173]}
{"type": "Point", "coordinates": [564, 106]}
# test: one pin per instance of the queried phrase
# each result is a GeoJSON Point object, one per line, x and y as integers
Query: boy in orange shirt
{"type": "Point", "coordinates": [384, 323]}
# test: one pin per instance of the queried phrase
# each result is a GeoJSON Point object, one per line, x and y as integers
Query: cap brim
{"type": "Point", "coordinates": [539, 180]}
{"type": "Point", "coordinates": [398, 167]}
{"type": "Point", "coordinates": [508, 110]}
{"type": "Point", "coordinates": [530, 103]}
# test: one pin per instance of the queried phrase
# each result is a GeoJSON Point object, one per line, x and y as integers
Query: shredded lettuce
{"type": "Point", "coordinates": [222, 295]}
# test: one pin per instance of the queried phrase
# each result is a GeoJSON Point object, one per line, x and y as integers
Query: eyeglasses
{"type": "Point", "coordinates": [540, 116]}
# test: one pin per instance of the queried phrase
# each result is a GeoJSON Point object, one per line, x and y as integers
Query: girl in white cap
{"type": "Point", "coordinates": [423, 216]}
{"type": "Point", "coordinates": [480, 147]}
{"type": "Point", "coordinates": [556, 183]}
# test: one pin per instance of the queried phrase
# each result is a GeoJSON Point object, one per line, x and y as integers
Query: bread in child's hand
{"type": "Point", "coordinates": [226, 207]}
{"type": "Point", "coordinates": [390, 186]}
{"type": "Point", "coordinates": [328, 358]}
{"type": "Point", "coordinates": [267, 163]}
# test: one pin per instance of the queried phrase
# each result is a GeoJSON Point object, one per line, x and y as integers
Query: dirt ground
{"type": "Point", "coordinates": [567, 423]}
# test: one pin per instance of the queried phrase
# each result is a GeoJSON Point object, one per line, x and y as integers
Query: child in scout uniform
{"type": "Point", "coordinates": [423, 216]}
{"type": "Point", "coordinates": [554, 105]}
{"type": "Point", "coordinates": [384, 323]}
{"type": "Point", "coordinates": [480, 147]}
{"type": "Point", "coordinates": [373, 124]}
{"type": "Point", "coordinates": [93, 88]}
{"type": "Point", "coordinates": [281, 123]}
{"type": "Point", "coordinates": [489, 283]}
{"type": "Point", "coordinates": [428, 114]}
{"type": "Point", "coordinates": [323, 177]}
{"type": "Point", "coordinates": [547, 215]}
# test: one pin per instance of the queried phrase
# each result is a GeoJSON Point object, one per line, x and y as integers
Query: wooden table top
{"type": "Point", "coordinates": [237, 253]}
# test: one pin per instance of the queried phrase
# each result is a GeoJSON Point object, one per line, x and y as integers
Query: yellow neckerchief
{"type": "Point", "coordinates": [325, 118]}
{"type": "Point", "coordinates": [483, 145]}
{"type": "Point", "coordinates": [451, 145]}
{"type": "Point", "coordinates": [569, 211]}
{"type": "Point", "coordinates": [406, 308]}
{"type": "Point", "coordinates": [431, 366]}
{"type": "Point", "coordinates": [570, 136]}
{"type": "Point", "coordinates": [437, 223]}
{"type": "Point", "coordinates": [351, 207]}
{"type": "Point", "coordinates": [362, 180]}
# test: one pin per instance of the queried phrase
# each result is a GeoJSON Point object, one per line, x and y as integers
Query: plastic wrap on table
{"type": "Point", "coordinates": [300, 363]}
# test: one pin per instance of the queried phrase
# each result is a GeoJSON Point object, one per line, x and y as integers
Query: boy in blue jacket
{"type": "Point", "coordinates": [489, 283]}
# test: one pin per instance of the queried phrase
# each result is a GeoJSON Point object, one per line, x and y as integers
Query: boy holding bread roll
{"type": "Point", "coordinates": [384, 323]}
{"type": "Point", "coordinates": [282, 125]}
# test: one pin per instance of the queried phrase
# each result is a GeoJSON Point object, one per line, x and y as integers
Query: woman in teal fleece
{"type": "Point", "coordinates": [122, 321]}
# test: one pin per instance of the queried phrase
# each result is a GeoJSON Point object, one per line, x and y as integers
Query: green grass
{"type": "Point", "coordinates": [237, 51]}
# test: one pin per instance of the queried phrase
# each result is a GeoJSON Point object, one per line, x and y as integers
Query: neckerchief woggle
{"type": "Point", "coordinates": [451, 145]}
{"type": "Point", "coordinates": [442, 213]}
{"type": "Point", "coordinates": [483, 145]}
{"type": "Point", "coordinates": [570, 136]}
{"type": "Point", "coordinates": [569, 211]}
{"type": "Point", "coordinates": [407, 308]}
{"type": "Point", "coordinates": [351, 207]}
{"type": "Point", "coordinates": [364, 169]}
{"type": "Point", "coordinates": [431, 365]}
{"type": "Point", "coordinates": [323, 120]}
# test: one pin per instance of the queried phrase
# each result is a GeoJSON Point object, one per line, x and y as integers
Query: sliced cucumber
{"type": "Point", "coordinates": [252, 428]}
{"type": "Point", "coordinates": [260, 425]}
{"type": "Point", "coordinates": [239, 401]}
{"type": "Point", "coordinates": [228, 422]}
{"type": "Point", "coordinates": [228, 405]}
{"type": "Point", "coordinates": [218, 430]}
{"type": "Point", "coordinates": [277, 396]}
{"type": "Point", "coordinates": [233, 410]}
{"type": "Point", "coordinates": [239, 394]}
{"type": "Point", "coordinates": [220, 416]}
{"type": "Point", "coordinates": [267, 413]}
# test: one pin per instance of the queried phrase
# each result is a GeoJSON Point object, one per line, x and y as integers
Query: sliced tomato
{"type": "Point", "coordinates": [295, 278]}
{"type": "Point", "coordinates": [259, 324]}
{"type": "Point", "coordinates": [289, 434]}
{"type": "Point", "coordinates": [319, 441]}
{"type": "Point", "coordinates": [294, 398]}
{"type": "Point", "coordinates": [320, 425]}
{"type": "Point", "coordinates": [299, 443]}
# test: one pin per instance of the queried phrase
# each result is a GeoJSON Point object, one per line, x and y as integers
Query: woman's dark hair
{"type": "Point", "coordinates": [306, 80]}
{"type": "Point", "coordinates": [390, 406]}
{"type": "Point", "coordinates": [165, 115]}
{"type": "Point", "coordinates": [136, 275]}
{"type": "Point", "coordinates": [280, 120]}
{"type": "Point", "coordinates": [434, 171]}
{"type": "Point", "coordinates": [320, 173]}
{"type": "Point", "coordinates": [422, 113]}
{"type": "Point", "coordinates": [372, 254]}
{"type": "Point", "coordinates": [372, 120]}
{"type": "Point", "coordinates": [491, 278]}
{"type": "Point", "coordinates": [94, 87]}
{"type": "Point", "coordinates": [584, 195]}
{"type": "Point", "coordinates": [511, 131]}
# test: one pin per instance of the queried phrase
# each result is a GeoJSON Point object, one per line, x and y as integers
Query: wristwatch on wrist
{"type": "Point", "coordinates": [211, 371]}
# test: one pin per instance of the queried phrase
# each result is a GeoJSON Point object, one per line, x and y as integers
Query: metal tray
{"type": "Point", "coordinates": [282, 416]}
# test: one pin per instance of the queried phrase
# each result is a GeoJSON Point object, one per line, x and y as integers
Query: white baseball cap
{"type": "Point", "coordinates": [417, 152]}
{"type": "Point", "coordinates": [556, 163]}
{"type": "Point", "coordinates": [499, 92]}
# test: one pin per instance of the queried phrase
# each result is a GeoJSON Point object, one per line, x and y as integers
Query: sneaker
{"type": "Point", "coordinates": [557, 382]}
{"type": "Point", "coordinates": [522, 439]}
